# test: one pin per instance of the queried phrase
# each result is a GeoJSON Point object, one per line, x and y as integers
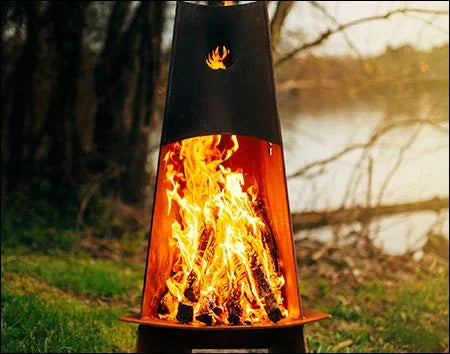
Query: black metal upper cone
{"type": "Point", "coordinates": [238, 100]}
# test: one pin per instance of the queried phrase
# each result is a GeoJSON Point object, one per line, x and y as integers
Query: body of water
{"type": "Point", "coordinates": [410, 163]}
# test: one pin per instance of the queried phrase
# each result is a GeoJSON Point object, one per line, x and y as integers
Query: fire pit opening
{"type": "Point", "coordinates": [222, 233]}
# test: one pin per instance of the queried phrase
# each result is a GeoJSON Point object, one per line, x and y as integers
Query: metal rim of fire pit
{"type": "Point", "coordinates": [309, 316]}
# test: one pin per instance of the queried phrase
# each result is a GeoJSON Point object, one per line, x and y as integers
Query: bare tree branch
{"type": "Point", "coordinates": [428, 22]}
{"type": "Point", "coordinates": [283, 8]}
{"type": "Point", "coordinates": [347, 39]}
{"type": "Point", "coordinates": [305, 169]}
{"type": "Point", "coordinates": [372, 140]}
{"type": "Point", "coordinates": [325, 35]}
{"type": "Point", "coordinates": [398, 162]}
{"type": "Point", "coordinates": [356, 175]}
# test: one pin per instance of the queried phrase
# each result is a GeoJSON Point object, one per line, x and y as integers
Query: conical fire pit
{"type": "Point", "coordinates": [221, 268]}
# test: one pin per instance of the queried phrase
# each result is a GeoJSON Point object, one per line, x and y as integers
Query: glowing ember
{"type": "Point", "coordinates": [216, 61]}
{"type": "Point", "coordinates": [226, 269]}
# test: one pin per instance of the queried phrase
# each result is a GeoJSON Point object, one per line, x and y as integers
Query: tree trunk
{"type": "Point", "coordinates": [68, 24]}
{"type": "Point", "coordinates": [136, 178]}
{"type": "Point", "coordinates": [21, 91]}
{"type": "Point", "coordinates": [283, 8]}
{"type": "Point", "coordinates": [113, 80]}
{"type": "Point", "coordinates": [105, 80]}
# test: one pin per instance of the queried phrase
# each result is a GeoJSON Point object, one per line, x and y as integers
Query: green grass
{"type": "Point", "coordinates": [33, 324]}
{"type": "Point", "coordinates": [64, 303]}
{"type": "Point", "coordinates": [411, 316]}
{"type": "Point", "coordinates": [83, 276]}
{"type": "Point", "coordinates": [419, 316]}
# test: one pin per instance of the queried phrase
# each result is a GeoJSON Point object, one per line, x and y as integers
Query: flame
{"type": "Point", "coordinates": [224, 268]}
{"type": "Point", "coordinates": [215, 60]}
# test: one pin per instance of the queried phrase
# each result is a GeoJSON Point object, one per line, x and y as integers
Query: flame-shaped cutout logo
{"type": "Point", "coordinates": [217, 61]}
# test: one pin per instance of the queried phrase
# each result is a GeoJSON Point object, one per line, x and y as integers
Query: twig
{"type": "Point", "coordinates": [96, 182]}
{"type": "Point", "coordinates": [323, 162]}
{"type": "Point", "coordinates": [355, 178]}
{"type": "Point", "coordinates": [397, 164]}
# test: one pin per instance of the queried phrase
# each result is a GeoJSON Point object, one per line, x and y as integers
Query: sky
{"type": "Point", "coordinates": [305, 22]}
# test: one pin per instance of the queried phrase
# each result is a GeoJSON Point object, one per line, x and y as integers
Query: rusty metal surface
{"type": "Point", "coordinates": [239, 100]}
{"type": "Point", "coordinates": [309, 316]}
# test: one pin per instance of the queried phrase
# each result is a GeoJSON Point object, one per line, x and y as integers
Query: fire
{"type": "Point", "coordinates": [226, 269]}
{"type": "Point", "coordinates": [216, 61]}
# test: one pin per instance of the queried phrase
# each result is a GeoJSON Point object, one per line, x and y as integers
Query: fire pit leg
{"type": "Point", "coordinates": [290, 340]}
{"type": "Point", "coordinates": [152, 339]}
{"type": "Point", "coordinates": [159, 340]}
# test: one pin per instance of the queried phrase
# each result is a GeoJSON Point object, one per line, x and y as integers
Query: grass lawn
{"type": "Point", "coordinates": [63, 303]}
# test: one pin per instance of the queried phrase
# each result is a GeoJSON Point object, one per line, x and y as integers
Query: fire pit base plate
{"type": "Point", "coordinates": [160, 336]}
{"type": "Point", "coordinates": [309, 316]}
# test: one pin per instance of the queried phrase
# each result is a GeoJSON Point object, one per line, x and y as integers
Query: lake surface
{"type": "Point", "coordinates": [423, 172]}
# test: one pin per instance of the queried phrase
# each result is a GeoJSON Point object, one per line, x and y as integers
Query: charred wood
{"type": "Point", "coordinates": [162, 308]}
{"type": "Point", "coordinates": [190, 295]}
{"type": "Point", "coordinates": [165, 303]}
{"type": "Point", "coordinates": [206, 318]}
{"type": "Point", "coordinates": [185, 313]}
{"type": "Point", "coordinates": [234, 308]}
{"type": "Point", "coordinates": [267, 233]}
{"type": "Point", "coordinates": [271, 306]}
{"type": "Point", "coordinates": [205, 239]}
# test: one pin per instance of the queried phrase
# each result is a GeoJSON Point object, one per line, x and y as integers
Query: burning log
{"type": "Point", "coordinates": [267, 234]}
{"type": "Point", "coordinates": [162, 307]}
{"type": "Point", "coordinates": [167, 303]}
{"type": "Point", "coordinates": [190, 295]}
{"type": "Point", "coordinates": [272, 308]}
{"type": "Point", "coordinates": [206, 318]}
{"type": "Point", "coordinates": [233, 308]}
{"type": "Point", "coordinates": [189, 291]}
{"type": "Point", "coordinates": [204, 241]}
{"type": "Point", "coordinates": [185, 313]}
{"type": "Point", "coordinates": [264, 291]}
{"type": "Point", "coordinates": [210, 312]}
